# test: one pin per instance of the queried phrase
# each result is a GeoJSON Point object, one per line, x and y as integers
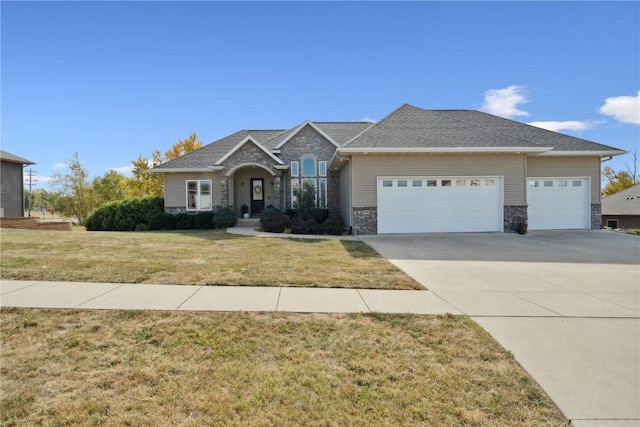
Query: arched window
{"type": "Point", "coordinates": [309, 166]}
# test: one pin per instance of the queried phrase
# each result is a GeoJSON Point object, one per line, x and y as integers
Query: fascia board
{"type": "Point", "coordinates": [176, 170]}
{"type": "Point", "coordinates": [390, 150]}
{"type": "Point", "coordinates": [585, 153]}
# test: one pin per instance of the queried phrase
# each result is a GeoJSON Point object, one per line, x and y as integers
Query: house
{"type": "Point", "coordinates": [414, 171]}
{"type": "Point", "coordinates": [622, 209]}
{"type": "Point", "coordinates": [12, 184]}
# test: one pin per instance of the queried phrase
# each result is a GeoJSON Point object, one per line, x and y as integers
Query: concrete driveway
{"type": "Point", "coordinates": [565, 303]}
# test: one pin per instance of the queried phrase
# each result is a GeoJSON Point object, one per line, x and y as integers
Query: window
{"type": "Point", "coordinates": [461, 182]}
{"type": "Point", "coordinates": [533, 183]}
{"type": "Point", "coordinates": [577, 183]}
{"type": "Point", "coordinates": [548, 183]}
{"type": "Point", "coordinates": [446, 183]}
{"type": "Point", "coordinates": [431, 183]}
{"type": "Point", "coordinates": [322, 193]}
{"type": "Point", "coordinates": [387, 183]}
{"type": "Point", "coordinates": [322, 168]}
{"type": "Point", "coordinates": [416, 183]}
{"type": "Point", "coordinates": [562, 183]}
{"type": "Point", "coordinates": [198, 195]}
{"type": "Point", "coordinates": [308, 166]}
{"type": "Point", "coordinates": [294, 169]}
{"type": "Point", "coordinates": [295, 185]}
{"type": "Point", "coordinates": [402, 183]}
{"type": "Point", "coordinates": [489, 182]}
{"type": "Point", "coordinates": [475, 183]}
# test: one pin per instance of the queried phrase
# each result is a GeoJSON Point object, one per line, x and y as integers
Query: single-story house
{"type": "Point", "coordinates": [622, 209]}
{"type": "Point", "coordinates": [414, 171]}
{"type": "Point", "coordinates": [12, 184]}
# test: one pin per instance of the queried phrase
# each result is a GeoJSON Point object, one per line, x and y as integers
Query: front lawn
{"type": "Point", "coordinates": [71, 367]}
{"type": "Point", "coordinates": [202, 257]}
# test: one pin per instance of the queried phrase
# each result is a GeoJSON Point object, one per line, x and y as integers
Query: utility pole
{"type": "Point", "coordinates": [32, 180]}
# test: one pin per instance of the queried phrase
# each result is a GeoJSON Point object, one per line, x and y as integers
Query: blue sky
{"type": "Point", "coordinates": [113, 80]}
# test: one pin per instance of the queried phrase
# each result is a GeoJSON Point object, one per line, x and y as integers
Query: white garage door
{"type": "Point", "coordinates": [439, 204]}
{"type": "Point", "coordinates": [558, 203]}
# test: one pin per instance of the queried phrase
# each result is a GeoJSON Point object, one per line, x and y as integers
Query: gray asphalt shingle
{"type": "Point", "coordinates": [625, 202]}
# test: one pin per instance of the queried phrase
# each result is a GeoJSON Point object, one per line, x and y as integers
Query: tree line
{"type": "Point", "coordinates": [74, 195]}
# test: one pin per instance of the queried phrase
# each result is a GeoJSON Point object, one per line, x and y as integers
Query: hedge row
{"type": "Point", "coordinates": [148, 213]}
{"type": "Point", "coordinates": [317, 221]}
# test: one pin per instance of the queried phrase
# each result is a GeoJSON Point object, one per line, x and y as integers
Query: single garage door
{"type": "Point", "coordinates": [558, 203]}
{"type": "Point", "coordinates": [439, 204]}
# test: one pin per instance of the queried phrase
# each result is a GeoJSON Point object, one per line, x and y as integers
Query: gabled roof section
{"type": "Point", "coordinates": [247, 140]}
{"type": "Point", "coordinates": [206, 157]}
{"type": "Point", "coordinates": [12, 158]}
{"type": "Point", "coordinates": [413, 129]}
{"type": "Point", "coordinates": [302, 126]}
{"type": "Point", "coordinates": [625, 202]}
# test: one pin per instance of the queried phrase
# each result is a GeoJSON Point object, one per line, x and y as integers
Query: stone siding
{"type": "Point", "coordinates": [513, 214]}
{"type": "Point", "coordinates": [365, 220]}
{"type": "Point", "coordinates": [596, 216]}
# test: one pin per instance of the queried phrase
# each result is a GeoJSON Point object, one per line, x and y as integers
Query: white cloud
{"type": "Point", "coordinates": [557, 126]}
{"type": "Point", "coordinates": [504, 102]}
{"type": "Point", "coordinates": [125, 170]}
{"type": "Point", "coordinates": [367, 119]}
{"type": "Point", "coordinates": [625, 109]}
{"type": "Point", "coordinates": [59, 166]}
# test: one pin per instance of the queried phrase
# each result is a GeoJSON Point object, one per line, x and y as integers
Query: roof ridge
{"type": "Point", "coordinates": [346, 144]}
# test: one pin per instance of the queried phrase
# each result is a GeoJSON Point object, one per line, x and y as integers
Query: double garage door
{"type": "Point", "coordinates": [439, 204]}
{"type": "Point", "coordinates": [474, 204]}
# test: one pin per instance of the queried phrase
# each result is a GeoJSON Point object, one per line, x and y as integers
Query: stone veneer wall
{"type": "Point", "coordinates": [512, 214]}
{"type": "Point", "coordinates": [365, 220]}
{"type": "Point", "coordinates": [177, 210]}
{"type": "Point", "coordinates": [596, 217]}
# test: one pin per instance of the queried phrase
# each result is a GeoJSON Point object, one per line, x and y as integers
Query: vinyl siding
{"type": "Point", "coordinates": [345, 194]}
{"type": "Point", "coordinates": [175, 188]}
{"type": "Point", "coordinates": [366, 168]}
{"type": "Point", "coordinates": [11, 189]}
{"type": "Point", "coordinates": [558, 167]}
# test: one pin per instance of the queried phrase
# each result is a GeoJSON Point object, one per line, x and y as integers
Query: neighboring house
{"type": "Point", "coordinates": [414, 171]}
{"type": "Point", "coordinates": [12, 184]}
{"type": "Point", "coordinates": [622, 209]}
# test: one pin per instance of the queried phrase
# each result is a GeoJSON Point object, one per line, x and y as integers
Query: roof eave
{"type": "Point", "coordinates": [179, 170]}
{"type": "Point", "coordinates": [590, 153]}
{"type": "Point", "coordinates": [434, 150]}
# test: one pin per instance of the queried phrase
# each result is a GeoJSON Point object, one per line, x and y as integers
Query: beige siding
{"type": "Point", "coordinates": [345, 194]}
{"type": "Point", "coordinates": [366, 169]}
{"type": "Point", "coordinates": [558, 167]}
{"type": "Point", "coordinates": [175, 188]}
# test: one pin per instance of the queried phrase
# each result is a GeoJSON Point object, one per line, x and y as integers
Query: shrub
{"type": "Point", "coordinates": [304, 226]}
{"type": "Point", "coordinates": [125, 215]}
{"type": "Point", "coordinates": [277, 224]}
{"type": "Point", "coordinates": [162, 221]}
{"type": "Point", "coordinates": [291, 213]}
{"type": "Point", "coordinates": [268, 213]}
{"type": "Point", "coordinates": [319, 215]}
{"type": "Point", "coordinates": [184, 221]}
{"type": "Point", "coordinates": [224, 218]}
{"type": "Point", "coordinates": [335, 226]}
{"type": "Point", "coordinates": [203, 220]}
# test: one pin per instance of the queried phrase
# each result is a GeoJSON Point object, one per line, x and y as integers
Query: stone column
{"type": "Point", "coordinates": [277, 194]}
{"type": "Point", "coordinates": [224, 183]}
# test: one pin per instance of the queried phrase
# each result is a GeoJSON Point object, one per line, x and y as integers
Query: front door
{"type": "Point", "coordinates": [257, 196]}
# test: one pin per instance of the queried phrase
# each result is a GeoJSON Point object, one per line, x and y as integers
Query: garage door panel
{"type": "Point", "coordinates": [558, 203]}
{"type": "Point", "coordinates": [440, 204]}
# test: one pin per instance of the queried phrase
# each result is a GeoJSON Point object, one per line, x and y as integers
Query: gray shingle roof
{"type": "Point", "coordinates": [209, 154]}
{"type": "Point", "coordinates": [12, 158]}
{"type": "Point", "coordinates": [412, 127]}
{"type": "Point", "coordinates": [341, 132]}
{"type": "Point", "coordinates": [625, 202]}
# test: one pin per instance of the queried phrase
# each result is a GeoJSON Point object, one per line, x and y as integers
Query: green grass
{"type": "Point", "coordinates": [112, 368]}
{"type": "Point", "coordinates": [203, 257]}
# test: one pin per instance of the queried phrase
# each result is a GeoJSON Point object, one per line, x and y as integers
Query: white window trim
{"type": "Point", "coordinates": [198, 195]}
{"type": "Point", "coordinates": [315, 167]}
{"type": "Point", "coordinates": [323, 192]}
{"type": "Point", "coordinates": [322, 168]}
{"type": "Point", "coordinates": [295, 171]}
{"type": "Point", "coordinates": [295, 184]}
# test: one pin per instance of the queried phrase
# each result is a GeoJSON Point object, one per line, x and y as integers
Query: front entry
{"type": "Point", "coordinates": [257, 196]}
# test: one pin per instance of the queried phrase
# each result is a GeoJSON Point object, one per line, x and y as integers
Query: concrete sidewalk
{"type": "Point", "coordinates": [41, 294]}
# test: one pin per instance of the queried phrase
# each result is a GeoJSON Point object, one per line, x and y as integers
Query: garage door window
{"type": "Point", "coordinates": [446, 183]}
{"type": "Point", "coordinates": [475, 183]}
{"type": "Point", "coordinates": [416, 183]}
{"type": "Point", "coordinates": [461, 182]}
{"type": "Point", "coordinates": [387, 183]}
{"type": "Point", "coordinates": [577, 183]}
{"type": "Point", "coordinates": [548, 183]}
{"type": "Point", "coordinates": [431, 183]}
{"type": "Point", "coordinates": [533, 183]}
{"type": "Point", "coordinates": [402, 183]}
{"type": "Point", "coordinates": [562, 183]}
{"type": "Point", "coordinates": [490, 182]}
